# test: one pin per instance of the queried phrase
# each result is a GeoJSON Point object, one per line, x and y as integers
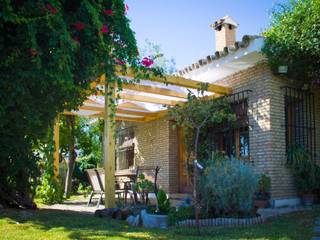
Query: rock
{"type": "Point", "coordinates": [107, 212]}
{"type": "Point", "coordinates": [136, 222]}
{"type": "Point", "coordinates": [130, 220]}
{"type": "Point", "coordinates": [1, 207]}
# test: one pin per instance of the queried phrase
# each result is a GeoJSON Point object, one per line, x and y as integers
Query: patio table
{"type": "Point", "coordinates": [127, 177]}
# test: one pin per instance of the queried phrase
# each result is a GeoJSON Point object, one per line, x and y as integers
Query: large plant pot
{"type": "Point", "coordinates": [261, 203]}
{"type": "Point", "coordinates": [154, 220]}
{"type": "Point", "coordinates": [307, 199]}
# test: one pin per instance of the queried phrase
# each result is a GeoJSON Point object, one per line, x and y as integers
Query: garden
{"type": "Point", "coordinates": [59, 49]}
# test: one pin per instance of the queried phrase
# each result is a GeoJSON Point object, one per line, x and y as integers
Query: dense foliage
{"type": "Point", "coordinates": [50, 53]}
{"type": "Point", "coordinates": [50, 189]}
{"type": "Point", "coordinates": [163, 202]}
{"type": "Point", "coordinates": [228, 187]}
{"type": "Point", "coordinates": [306, 172]}
{"type": "Point", "coordinates": [293, 40]}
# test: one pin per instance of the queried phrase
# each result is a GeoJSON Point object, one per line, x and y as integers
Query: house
{"type": "Point", "coordinates": [275, 113]}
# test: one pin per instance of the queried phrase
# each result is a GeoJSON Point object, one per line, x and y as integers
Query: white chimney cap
{"type": "Point", "coordinates": [224, 20]}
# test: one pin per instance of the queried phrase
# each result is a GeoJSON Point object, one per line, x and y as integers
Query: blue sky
{"type": "Point", "coordinates": [182, 27]}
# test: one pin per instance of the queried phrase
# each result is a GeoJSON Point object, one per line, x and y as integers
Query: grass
{"type": "Point", "coordinates": [55, 224]}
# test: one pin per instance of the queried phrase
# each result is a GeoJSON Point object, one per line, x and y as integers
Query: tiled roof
{"type": "Point", "coordinates": [246, 40]}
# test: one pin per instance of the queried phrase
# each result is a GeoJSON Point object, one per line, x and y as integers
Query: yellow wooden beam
{"type": "Point", "coordinates": [154, 90]}
{"type": "Point", "coordinates": [109, 146]}
{"type": "Point", "coordinates": [128, 119]}
{"type": "Point", "coordinates": [56, 155]}
{"type": "Point", "coordinates": [147, 99]}
{"type": "Point", "coordinates": [177, 81]}
{"type": "Point", "coordinates": [121, 111]}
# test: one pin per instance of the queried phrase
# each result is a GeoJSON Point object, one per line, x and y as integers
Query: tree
{"type": "Point", "coordinates": [193, 116]}
{"type": "Point", "coordinates": [293, 40]}
{"type": "Point", "coordinates": [51, 51]}
{"type": "Point", "coordinates": [71, 160]}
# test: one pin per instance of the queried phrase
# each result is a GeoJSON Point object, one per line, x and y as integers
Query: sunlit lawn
{"type": "Point", "coordinates": [54, 224]}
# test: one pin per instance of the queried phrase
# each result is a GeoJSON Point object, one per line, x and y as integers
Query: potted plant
{"type": "Point", "coordinates": [304, 172]}
{"type": "Point", "coordinates": [143, 187]}
{"type": "Point", "coordinates": [305, 180]}
{"type": "Point", "coordinates": [262, 195]}
{"type": "Point", "coordinates": [158, 218]}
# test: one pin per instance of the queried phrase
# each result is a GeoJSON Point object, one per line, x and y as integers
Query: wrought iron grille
{"type": "Point", "coordinates": [300, 120]}
{"type": "Point", "coordinates": [233, 138]}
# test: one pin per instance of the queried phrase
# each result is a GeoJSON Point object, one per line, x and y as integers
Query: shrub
{"type": "Point", "coordinates": [143, 186]}
{"type": "Point", "coordinates": [180, 214]}
{"type": "Point", "coordinates": [228, 187]}
{"type": "Point", "coordinates": [50, 191]}
{"type": "Point", "coordinates": [304, 170]}
{"type": "Point", "coordinates": [264, 186]}
{"type": "Point", "coordinates": [163, 202]}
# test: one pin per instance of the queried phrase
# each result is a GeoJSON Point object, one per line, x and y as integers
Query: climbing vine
{"type": "Point", "coordinates": [51, 52]}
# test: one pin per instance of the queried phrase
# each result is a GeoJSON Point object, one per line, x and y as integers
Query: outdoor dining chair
{"type": "Point", "coordinates": [97, 185]}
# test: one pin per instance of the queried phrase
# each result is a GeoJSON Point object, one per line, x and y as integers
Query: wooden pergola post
{"type": "Point", "coordinates": [109, 145]}
{"type": "Point", "coordinates": [56, 139]}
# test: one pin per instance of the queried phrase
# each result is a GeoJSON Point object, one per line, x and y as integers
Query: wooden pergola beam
{"type": "Point", "coordinates": [109, 146]}
{"type": "Point", "coordinates": [154, 90]}
{"type": "Point", "coordinates": [121, 111]}
{"type": "Point", "coordinates": [147, 99]}
{"type": "Point", "coordinates": [56, 154]}
{"type": "Point", "coordinates": [127, 119]}
{"type": "Point", "coordinates": [177, 81]}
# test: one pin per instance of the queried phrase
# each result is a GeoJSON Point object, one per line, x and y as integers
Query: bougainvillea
{"type": "Point", "coordinates": [51, 51]}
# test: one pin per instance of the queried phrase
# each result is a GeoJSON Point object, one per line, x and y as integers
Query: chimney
{"type": "Point", "coordinates": [225, 29]}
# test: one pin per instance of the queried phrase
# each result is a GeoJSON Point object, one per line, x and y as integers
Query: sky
{"type": "Point", "coordinates": [182, 29]}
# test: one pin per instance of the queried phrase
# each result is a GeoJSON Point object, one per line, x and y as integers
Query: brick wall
{"type": "Point", "coordinates": [266, 120]}
{"type": "Point", "coordinates": [156, 144]}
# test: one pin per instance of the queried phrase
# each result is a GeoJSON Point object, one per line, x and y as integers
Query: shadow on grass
{"type": "Point", "coordinates": [295, 226]}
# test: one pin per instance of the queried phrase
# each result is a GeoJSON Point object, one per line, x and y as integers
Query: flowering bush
{"type": "Point", "coordinates": [51, 52]}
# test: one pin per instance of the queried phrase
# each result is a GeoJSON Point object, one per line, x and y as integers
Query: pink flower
{"type": "Point", "coordinates": [79, 26]}
{"type": "Point", "coordinates": [147, 62]}
{"type": "Point", "coordinates": [104, 28]}
{"type": "Point", "coordinates": [51, 8]}
{"type": "Point", "coordinates": [126, 7]}
{"type": "Point", "coordinates": [118, 61]}
{"type": "Point", "coordinates": [108, 12]}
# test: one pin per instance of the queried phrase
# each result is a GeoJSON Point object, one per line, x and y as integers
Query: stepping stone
{"type": "Point", "coordinates": [315, 238]}
{"type": "Point", "coordinates": [316, 229]}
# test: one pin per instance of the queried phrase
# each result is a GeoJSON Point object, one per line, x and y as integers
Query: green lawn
{"type": "Point", "coordinates": [54, 224]}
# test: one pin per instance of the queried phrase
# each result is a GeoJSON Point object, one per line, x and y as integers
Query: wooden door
{"type": "Point", "coordinates": [184, 181]}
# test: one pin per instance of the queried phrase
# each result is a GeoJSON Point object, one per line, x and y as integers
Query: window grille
{"type": "Point", "coordinates": [300, 120]}
{"type": "Point", "coordinates": [233, 138]}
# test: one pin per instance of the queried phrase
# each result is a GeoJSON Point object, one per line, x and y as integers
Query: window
{"type": "Point", "coordinates": [125, 149]}
{"type": "Point", "coordinates": [299, 119]}
{"type": "Point", "coordinates": [233, 139]}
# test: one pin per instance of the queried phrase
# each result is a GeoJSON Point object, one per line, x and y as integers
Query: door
{"type": "Point", "coordinates": [184, 181]}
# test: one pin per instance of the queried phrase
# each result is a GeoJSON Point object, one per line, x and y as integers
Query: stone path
{"type": "Point", "coordinates": [75, 206]}
{"type": "Point", "coordinates": [316, 230]}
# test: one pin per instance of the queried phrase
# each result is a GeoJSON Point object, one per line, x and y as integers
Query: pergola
{"type": "Point", "coordinates": [157, 91]}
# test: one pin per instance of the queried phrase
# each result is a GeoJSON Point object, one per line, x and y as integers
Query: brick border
{"type": "Point", "coordinates": [231, 222]}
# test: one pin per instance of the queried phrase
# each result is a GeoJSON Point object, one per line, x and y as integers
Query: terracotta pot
{"type": "Point", "coordinates": [261, 203]}
{"type": "Point", "coordinates": [307, 199]}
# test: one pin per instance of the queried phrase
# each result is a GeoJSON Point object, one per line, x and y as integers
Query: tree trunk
{"type": "Point", "coordinates": [195, 182]}
{"type": "Point", "coordinates": [72, 156]}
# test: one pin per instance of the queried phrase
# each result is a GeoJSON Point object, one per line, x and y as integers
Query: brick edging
{"type": "Point", "coordinates": [222, 222]}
